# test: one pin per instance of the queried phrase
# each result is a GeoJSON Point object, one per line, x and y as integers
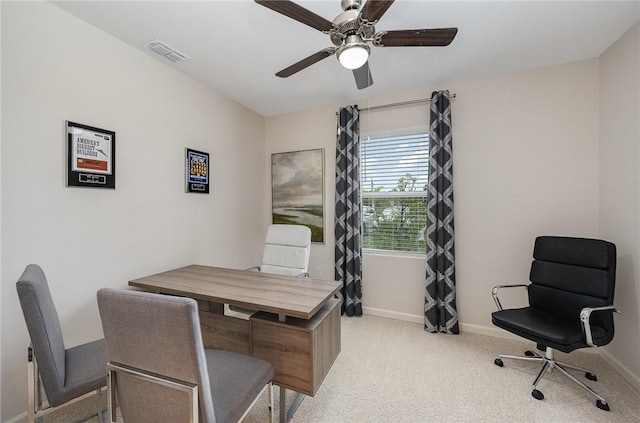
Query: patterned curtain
{"type": "Point", "coordinates": [348, 250]}
{"type": "Point", "coordinates": [440, 313]}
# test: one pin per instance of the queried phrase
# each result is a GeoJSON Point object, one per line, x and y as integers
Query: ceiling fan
{"type": "Point", "coordinates": [352, 31]}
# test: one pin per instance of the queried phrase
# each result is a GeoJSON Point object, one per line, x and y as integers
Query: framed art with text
{"type": "Point", "coordinates": [91, 156]}
{"type": "Point", "coordinates": [297, 190]}
{"type": "Point", "coordinates": [197, 171]}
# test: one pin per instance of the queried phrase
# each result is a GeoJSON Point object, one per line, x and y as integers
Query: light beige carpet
{"type": "Point", "coordinates": [393, 371]}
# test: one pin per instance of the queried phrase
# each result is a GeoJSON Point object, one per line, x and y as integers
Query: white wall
{"type": "Point", "coordinates": [525, 164]}
{"type": "Point", "coordinates": [0, 204]}
{"type": "Point", "coordinates": [56, 67]}
{"type": "Point", "coordinates": [620, 190]}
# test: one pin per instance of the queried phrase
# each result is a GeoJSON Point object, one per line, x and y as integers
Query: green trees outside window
{"type": "Point", "coordinates": [394, 177]}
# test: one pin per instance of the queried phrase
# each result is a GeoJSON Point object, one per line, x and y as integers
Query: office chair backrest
{"type": "Point", "coordinates": [44, 329]}
{"type": "Point", "coordinates": [158, 334]}
{"type": "Point", "coordinates": [287, 250]}
{"type": "Point", "coordinates": [568, 274]}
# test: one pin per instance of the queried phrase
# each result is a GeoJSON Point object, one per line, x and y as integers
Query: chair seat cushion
{"type": "Point", "coordinates": [236, 381]}
{"type": "Point", "coordinates": [544, 328]}
{"type": "Point", "coordinates": [86, 369]}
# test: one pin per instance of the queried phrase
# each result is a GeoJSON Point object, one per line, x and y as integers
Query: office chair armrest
{"type": "Point", "coordinates": [495, 289]}
{"type": "Point", "coordinates": [585, 316]}
{"type": "Point", "coordinates": [254, 269]}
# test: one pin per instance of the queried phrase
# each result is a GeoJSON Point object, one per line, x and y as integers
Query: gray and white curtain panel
{"type": "Point", "coordinates": [348, 253]}
{"type": "Point", "coordinates": [440, 314]}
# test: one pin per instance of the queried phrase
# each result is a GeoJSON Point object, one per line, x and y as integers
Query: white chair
{"type": "Point", "coordinates": [286, 250]}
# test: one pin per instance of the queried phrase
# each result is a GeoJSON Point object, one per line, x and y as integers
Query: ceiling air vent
{"type": "Point", "coordinates": [163, 49]}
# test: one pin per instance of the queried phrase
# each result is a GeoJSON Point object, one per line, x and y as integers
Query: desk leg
{"type": "Point", "coordinates": [287, 415]}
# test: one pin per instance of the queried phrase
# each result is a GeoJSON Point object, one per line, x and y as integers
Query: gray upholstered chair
{"type": "Point", "coordinates": [68, 375]}
{"type": "Point", "coordinates": [159, 370]}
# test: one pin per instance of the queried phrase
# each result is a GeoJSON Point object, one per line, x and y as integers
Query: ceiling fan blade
{"type": "Point", "coordinates": [374, 9]}
{"type": "Point", "coordinates": [363, 76]}
{"type": "Point", "coordinates": [306, 62]}
{"type": "Point", "coordinates": [299, 13]}
{"type": "Point", "coordinates": [416, 37]}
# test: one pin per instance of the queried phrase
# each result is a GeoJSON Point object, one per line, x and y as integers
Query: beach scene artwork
{"type": "Point", "coordinates": [297, 190]}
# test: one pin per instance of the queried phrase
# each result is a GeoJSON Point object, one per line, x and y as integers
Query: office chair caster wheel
{"type": "Point", "coordinates": [591, 376]}
{"type": "Point", "coordinates": [538, 395]}
{"type": "Point", "coordinates": [498, 362]}
{"type": "Point", "coordinates": [602, 405]}
{"type": "Point", "coordinates": [529, 353]}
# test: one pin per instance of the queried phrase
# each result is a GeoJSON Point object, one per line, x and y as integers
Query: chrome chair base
{"type": "Point", "coordinates": [549, 363]}
{"type": "Point", "coordinates": [37, 409]}
{"type": "Point", "coordinates": [192, 391]}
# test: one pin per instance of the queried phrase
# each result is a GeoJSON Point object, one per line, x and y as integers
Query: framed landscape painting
{"type": "Point", "coordinates": [297, 190]}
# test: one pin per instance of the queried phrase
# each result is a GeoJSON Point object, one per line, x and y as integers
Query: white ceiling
{"type": "Point", "coordinates": [237, 46]}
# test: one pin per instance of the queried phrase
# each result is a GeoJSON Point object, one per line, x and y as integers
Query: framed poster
{"type": "Point", "coordinates": [297, 190]}
{"type": "Point", "coordinates": [91, 156]}
{"type": "Point", "coordinates": [197, 171]}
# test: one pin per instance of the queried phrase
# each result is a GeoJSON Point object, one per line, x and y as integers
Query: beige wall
{"type": "Point", "coordinates": [620, 190]}
{"type": "Point", "coordinates": [56, 67]}
{"type": "Point", "coordinates": [525, 164]}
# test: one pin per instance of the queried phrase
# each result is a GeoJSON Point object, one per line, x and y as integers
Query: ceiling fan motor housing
{"type": "Point", "coordinates": [345, 24]}
{"type": "Point", "coordinates": [351, 4]}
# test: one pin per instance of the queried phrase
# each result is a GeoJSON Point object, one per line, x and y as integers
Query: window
{"type": "Point", "coordinates": [394, 173]}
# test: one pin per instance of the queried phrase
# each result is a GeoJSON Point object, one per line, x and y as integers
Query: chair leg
{"type": "Point", "coordinates": [549, 363]}
{"type": "Point", "coordinates": [600, 403]}
{"type": "Point", "coordinates": [270, 396]}
{"type": "Point", "coordinates": [571, 366]}
{"type": "Point", "coordinates": [111, 392]}
{"type": "Point", "coordinates": [544, 369]}
{"type": "Point", "coordinates": [32, 385]}
{"type": "Point", "coordinates": [517, 357]}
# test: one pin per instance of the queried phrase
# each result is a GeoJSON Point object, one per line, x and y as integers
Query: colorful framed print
{"type": "Point", "coordinates": [197, 171]}
{"type": "Point", "coordinates": [91, 156]}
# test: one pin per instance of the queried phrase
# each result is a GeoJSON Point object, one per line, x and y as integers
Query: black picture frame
{"type": "Point", "coordinates": [91, 156]}
{"type": "Point", "coordinates": [196, 171]}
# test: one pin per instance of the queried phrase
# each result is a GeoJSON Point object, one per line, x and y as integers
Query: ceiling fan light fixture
{"type": "Point", "coordinates": [354, 53]}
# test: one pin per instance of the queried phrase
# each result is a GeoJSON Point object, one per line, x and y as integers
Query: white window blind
{"type": "Point", "coordinates": [394, 175]}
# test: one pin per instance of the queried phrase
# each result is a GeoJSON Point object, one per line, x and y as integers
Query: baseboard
{"type": "Point", "coordinates": [629, 376]}
{"type": "Point", "coordinates": [393, 315]}
{"type": "Point", "coordinates": [20, 418]}
{"type": "Point", "coordinates": [464, 327]}
{"type": "Point", "coordinates": [488, 331]}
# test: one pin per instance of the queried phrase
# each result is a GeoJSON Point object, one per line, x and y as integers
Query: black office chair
{"type": "Point", "coordinates": [570, 304]}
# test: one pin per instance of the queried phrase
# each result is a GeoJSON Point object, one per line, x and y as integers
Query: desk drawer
{"type": "Point", "coordinates": [302, 351]}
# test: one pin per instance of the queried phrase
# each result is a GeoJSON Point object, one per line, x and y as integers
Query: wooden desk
{"type": "Point", "coordinates": [297, 327]}
{"type": "Point", "coordinates": [285, 295]}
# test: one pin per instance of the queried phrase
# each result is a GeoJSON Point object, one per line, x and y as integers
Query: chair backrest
{"type": "Point", "coordinates": [44, 329]}
{"type": "Point", "coordinates": [157, 334]}
{"type": "Point", "coordinates": [286, 250]}
{"type": "Point", "coordinates": [568, 274]}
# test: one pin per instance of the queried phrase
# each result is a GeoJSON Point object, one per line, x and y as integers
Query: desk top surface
{"type": "Point", "coordinates": [287, 295]}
